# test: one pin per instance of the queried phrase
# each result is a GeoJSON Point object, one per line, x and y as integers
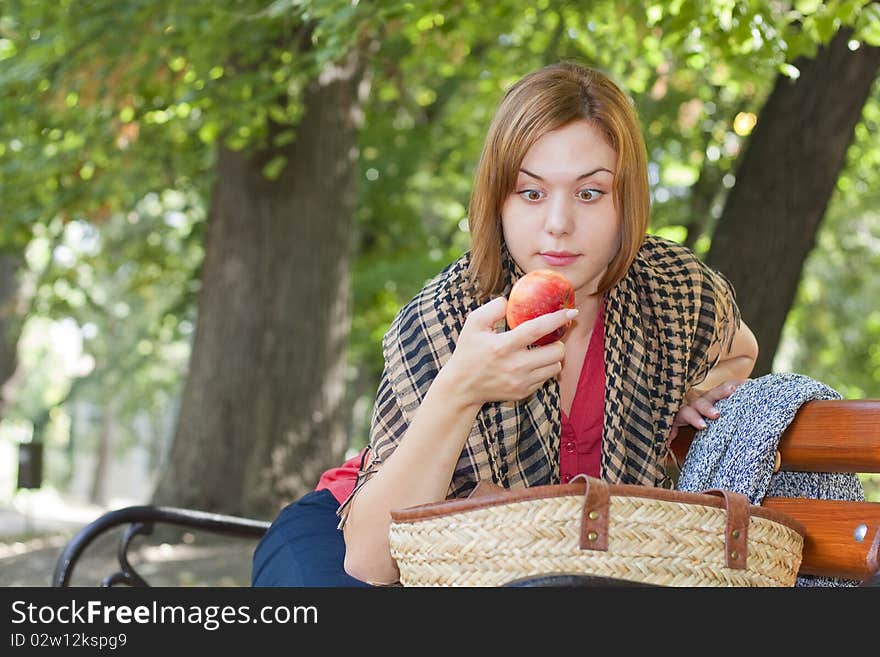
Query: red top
{"type": "Point", "coordinates": [580, 445]}
{"type": "Point", "coordinates": [340, 480]}
{"type": "Point", "coordinates": [580, 442]}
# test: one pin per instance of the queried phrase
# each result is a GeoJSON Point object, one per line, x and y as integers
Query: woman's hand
{"type": "Point", "coordinates": [700, 404]}
{"type": "Point", "coordinates": [487, 366]}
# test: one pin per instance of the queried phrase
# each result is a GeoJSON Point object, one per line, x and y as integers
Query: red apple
{"type": "Point", "coordinates": [537, 293]}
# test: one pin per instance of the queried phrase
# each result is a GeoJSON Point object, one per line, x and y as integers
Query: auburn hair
{"type": "Point", "coordinates": [542, 101]}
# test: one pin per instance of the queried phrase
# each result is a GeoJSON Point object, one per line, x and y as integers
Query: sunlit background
{"type": "Point", "coordinates": [108, 145]}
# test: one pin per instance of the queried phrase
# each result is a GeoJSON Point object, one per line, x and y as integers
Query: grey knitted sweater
{"type": "Point", "coordinates": [737, 451]}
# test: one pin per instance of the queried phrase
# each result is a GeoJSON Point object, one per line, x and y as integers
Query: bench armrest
{"type": "Point", "coordinates": [141, 520]}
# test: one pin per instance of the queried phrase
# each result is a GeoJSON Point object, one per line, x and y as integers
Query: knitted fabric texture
{"type": "Point", "coordinates": [664, 322]}
{"type": "Point", "coordinates": [737, 450]}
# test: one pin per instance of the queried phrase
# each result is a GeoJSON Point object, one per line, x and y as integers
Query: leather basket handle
{"type": "Point", "coordinates": [736, 532]}
{"type": "Point", "coordinates": [485, 488]}
{"type": "Point", "coordinates": [594, 516]}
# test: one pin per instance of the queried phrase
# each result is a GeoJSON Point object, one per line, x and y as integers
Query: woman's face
{"type": "Point", "coordinates": [561, 213]}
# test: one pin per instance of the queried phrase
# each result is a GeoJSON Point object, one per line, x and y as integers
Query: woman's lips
{"type": "Point", "coordinates": [558, 259]}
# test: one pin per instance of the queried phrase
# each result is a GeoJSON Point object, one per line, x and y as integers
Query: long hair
{"type": "Point", "coordinates": [542, 101]}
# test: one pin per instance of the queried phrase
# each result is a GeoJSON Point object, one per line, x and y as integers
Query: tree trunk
{"type": "Point", "coordinates": [10, 315]}
{"type": "Point", "coordinates": [784, 182]}
{"type": "Point", "coordinates": [702, 197]}
{"type": "Point", "coordinates": [263, 410]}
{"type": "Point", "coordinates": [103, 455]}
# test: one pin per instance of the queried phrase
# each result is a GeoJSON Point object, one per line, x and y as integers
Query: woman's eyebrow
{"type": "Point", "coordinates": [583, 175]}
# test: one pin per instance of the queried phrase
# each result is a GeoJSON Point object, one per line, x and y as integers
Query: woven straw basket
{"type": "Point", "coordinates": [588, 527]}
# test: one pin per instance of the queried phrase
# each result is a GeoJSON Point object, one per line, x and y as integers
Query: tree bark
{"type": "Point", "coordinates": [263, 411]}
{"type": "Point", "coordinates": [10, 315]}
{"type": "Point", "coordinates": [103, 455]}
{"type": "Point", "coordinates": [784, 181]}
{"type": "Point", "coordinates": [703, 195]}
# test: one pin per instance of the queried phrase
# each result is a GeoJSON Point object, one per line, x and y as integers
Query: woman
{"type": "Point", "coordinates": [654, 341]}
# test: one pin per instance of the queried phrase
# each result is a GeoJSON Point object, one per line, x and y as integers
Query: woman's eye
{"type": "Point", "coordinates": [589, 194]}
{"type": "Point", "coordinates": [530, 194]}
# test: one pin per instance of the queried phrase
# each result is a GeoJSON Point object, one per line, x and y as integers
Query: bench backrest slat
{"type": "Point", "coordinates": [825, 436]}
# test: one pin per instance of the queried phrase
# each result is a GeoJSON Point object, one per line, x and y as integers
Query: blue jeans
{"type": "Point", "coordinates": [303, 546]}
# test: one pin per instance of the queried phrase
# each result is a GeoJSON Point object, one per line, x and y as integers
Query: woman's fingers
{"type": "Point", "coordinates": [539, 357]}
{"type": "Point", "coordinates": [717, 393]}
{"type": "Point", "coordinates": [544, 373]}
{"type": "Point", "coordinates": [506, 365]}
{"type": "Point", "coordinates": [534, 329]}
{"type": "Point", "coordinates": [694, 412]}
{"type": "Point", "coordinates": [690, 415]}
{"type": "Point", "coordinates": [705, 404]}
{"type": "Point", "coordinates": [485, 317]}
{"type": "Point", "coordinates": [723, 391]}
{"type": "Point", "coordinates": [705, 407]}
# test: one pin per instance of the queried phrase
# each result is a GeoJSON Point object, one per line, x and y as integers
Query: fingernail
{"type": "Point", "coordinates": [571, 313]}
{"type": "Point", "coordinates": [702, 424]}
{"type": "Point", "coordinates": [714, 411]}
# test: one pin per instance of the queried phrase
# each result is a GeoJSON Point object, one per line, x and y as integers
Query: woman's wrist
{"type": "Point", "coordinates": [450, 386]}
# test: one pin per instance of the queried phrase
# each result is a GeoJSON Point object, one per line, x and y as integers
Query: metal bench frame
{"type": "Point", "coordinates": [141, 521]}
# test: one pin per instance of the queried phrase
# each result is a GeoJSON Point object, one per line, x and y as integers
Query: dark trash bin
{"type": "Point", "coordinates": [30, 465]}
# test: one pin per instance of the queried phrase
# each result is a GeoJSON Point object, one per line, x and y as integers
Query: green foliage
{"type": "Point", "coordinates": [107, 101]}
{"type": "Point", "coordinates": [120, 299]}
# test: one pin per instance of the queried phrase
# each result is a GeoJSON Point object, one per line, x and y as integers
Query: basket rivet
{"type": "Point", "coordinates": [594, 515]}
{"type": "Point", "coordinates": [592, 536]}
{"type": "Point", "coordinates": [735, 534]}
{"type": "Point", "coordinates": [734, 555]}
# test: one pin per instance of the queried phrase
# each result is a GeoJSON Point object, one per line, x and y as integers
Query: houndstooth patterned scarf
{"type": "Point", "coordinates": [661, 321]}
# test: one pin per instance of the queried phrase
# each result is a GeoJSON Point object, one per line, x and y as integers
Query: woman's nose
{"type": "Point", "coordinates": [559, 220]}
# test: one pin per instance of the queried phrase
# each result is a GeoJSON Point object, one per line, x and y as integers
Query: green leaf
{"type": "Point", "coordinates": [273, 169]}
{"type": "Point", "coordinates": [807, 7]}
{"type": "Point", "coordinates": [826, 27]}
{"type": "Point", "coordinates": [868, 25]}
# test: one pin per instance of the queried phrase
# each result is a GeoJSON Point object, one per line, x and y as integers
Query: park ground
{"type": "Point", "coordinates": [34, 529]}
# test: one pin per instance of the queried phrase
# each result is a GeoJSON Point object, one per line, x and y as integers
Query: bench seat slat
{"type": "Point", "coordinates": [831, 547]}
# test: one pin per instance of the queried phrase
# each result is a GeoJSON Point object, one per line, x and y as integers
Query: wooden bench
{"type": "Point", "coordinates": [842, 540]}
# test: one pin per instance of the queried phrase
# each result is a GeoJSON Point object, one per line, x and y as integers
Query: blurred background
{"type": "Point", "coordinates": [210, 212]}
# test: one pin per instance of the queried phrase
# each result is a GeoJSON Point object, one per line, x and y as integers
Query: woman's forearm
{"type": "Point", "coordinates": [735, 365]}
{"type": "Point", "coordinates": [731, 369]}
{"type": "Point", "coordinates": [417, 472]}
